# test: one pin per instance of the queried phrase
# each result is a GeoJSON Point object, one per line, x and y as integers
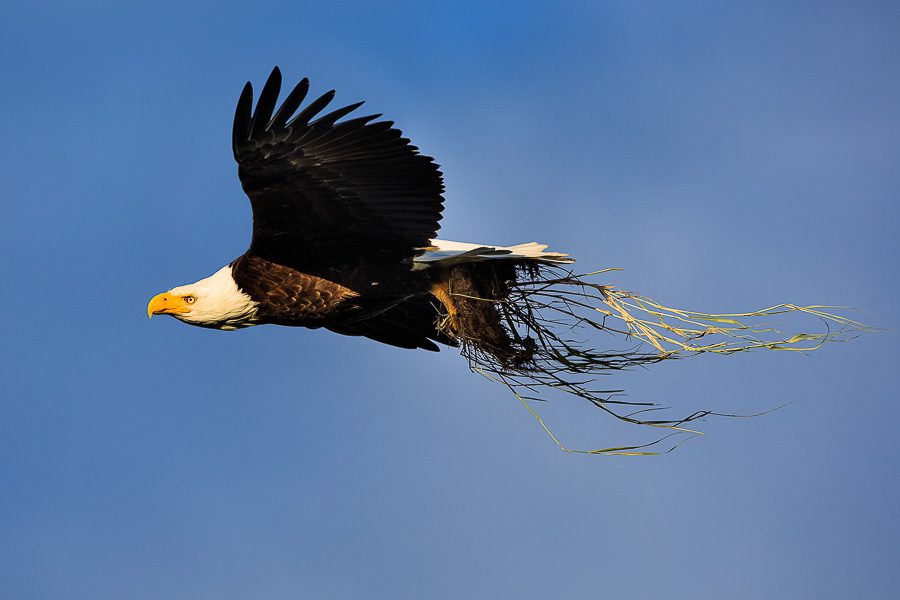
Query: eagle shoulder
{"type": "Point", "coordinates": [286, 295]}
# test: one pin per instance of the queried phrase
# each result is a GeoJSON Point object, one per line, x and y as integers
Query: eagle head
{"type": "Point", "coordinates": [215, 301]}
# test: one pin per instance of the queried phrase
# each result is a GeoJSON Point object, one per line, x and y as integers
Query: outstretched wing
{"type": "Point", "coordinates": [326, 191]}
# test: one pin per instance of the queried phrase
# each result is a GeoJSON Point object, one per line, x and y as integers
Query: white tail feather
{"type": "Point", "coordinates": [446, 253]}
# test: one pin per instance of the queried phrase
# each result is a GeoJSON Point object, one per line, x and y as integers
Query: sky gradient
{"type": "Point", "coordinates": [728, 158]}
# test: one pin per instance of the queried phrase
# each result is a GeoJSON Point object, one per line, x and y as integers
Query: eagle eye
{"type": "Point", "coordinates": [190, 299]}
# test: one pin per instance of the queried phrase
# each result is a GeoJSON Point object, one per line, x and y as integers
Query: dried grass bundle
{"type": "Point", "coordinates": [521, 325]}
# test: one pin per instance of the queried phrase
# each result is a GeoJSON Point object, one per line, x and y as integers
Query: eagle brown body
{"type": "Point", "coordinates": [394, 306]}
{"type": "Point", "coordinates": [287, 296]}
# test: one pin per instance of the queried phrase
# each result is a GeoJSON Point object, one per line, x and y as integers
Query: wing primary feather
{"type": "Point", "coordinates": [290, 104]}
{"type": "Point", "coordinates": [362, 120]}
{"type": "Point", "coordinates": [242, 120]}
{"type": "Point", "coordinates": [332, 117]}
{"type": "Point", "coordinates": [313, 109]}
{"type": "Point", "coordinates": [268, 97]}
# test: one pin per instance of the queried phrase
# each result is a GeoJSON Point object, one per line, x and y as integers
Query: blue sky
{"type": "Point", "coordinates": [727, 157]}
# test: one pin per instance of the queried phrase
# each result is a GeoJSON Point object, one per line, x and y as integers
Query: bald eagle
{"type": "Point", "coordinates": [345, 214]}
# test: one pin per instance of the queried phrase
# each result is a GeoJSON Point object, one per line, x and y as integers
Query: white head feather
{"type": "Point", "coordinates": [218, 302]}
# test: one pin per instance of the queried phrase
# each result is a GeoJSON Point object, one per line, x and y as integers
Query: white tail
{"type": "Point", "coordinates": [446, 253]}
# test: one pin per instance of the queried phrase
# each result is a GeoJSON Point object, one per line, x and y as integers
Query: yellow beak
{"type": "Point", "coordinates": [167, 304]}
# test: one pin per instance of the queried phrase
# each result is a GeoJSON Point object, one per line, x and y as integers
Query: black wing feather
{"type": "Point", "coordinates": [266, 103]}
{"type": "Point", "coordinates": [313, 109]}
{"type": "Point", "coordinates": [290, 104]}
{"type": "Point", "coordinates": [240, 133]}
{"type": "Point", "coordinates": [331, 118]}
{"type": "Point", "coordinates": [327, 191]}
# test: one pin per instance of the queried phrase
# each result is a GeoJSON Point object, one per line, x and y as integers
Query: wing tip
{"type": "Point", "coordinates": [242, 117]}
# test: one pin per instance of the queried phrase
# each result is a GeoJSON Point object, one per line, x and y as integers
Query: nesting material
{"type": "Point", "coordinates": [529, 327]}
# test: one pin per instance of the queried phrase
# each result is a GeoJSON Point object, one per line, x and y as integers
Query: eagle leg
{"type": "Point", "coordinates": [441, 291]}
